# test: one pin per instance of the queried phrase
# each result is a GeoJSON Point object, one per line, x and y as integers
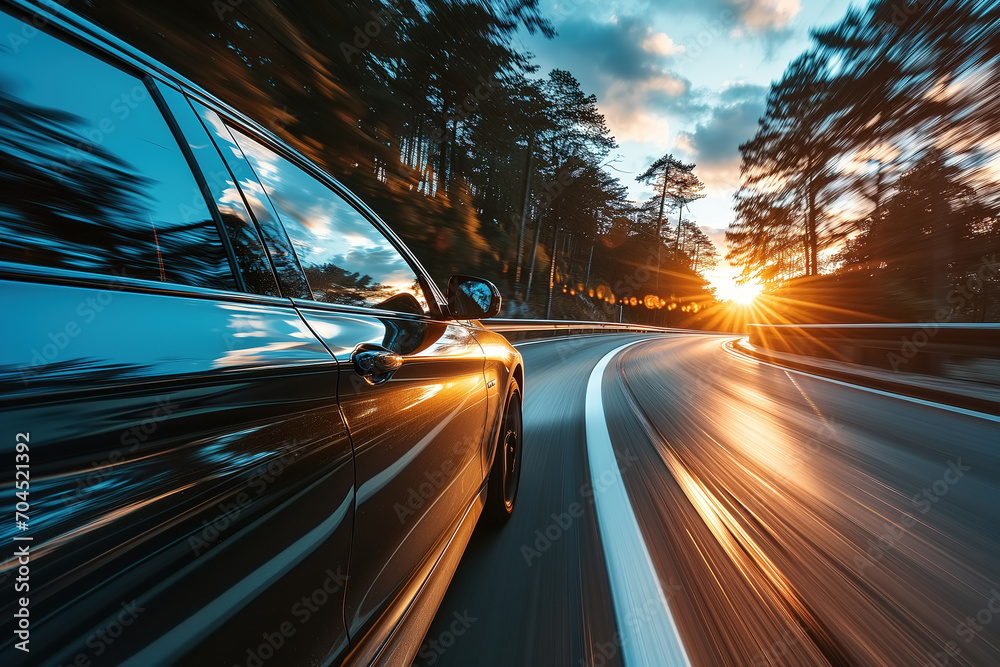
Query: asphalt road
{"type": "Point", "coordinates": [790, 520]}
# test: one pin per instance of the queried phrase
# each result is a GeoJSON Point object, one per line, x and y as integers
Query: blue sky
{"type": "Point", "coordinates": [685, 76]}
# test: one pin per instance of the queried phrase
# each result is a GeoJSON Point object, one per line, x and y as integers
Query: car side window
{"type": "Point", "coordinates": [346, 259]}
{"type": "Point", "coordinates": [248, 248]}
{"type": "Point", "coordinates": [92, 178]}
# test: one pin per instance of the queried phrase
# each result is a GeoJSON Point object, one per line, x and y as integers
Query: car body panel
{"type": "Point", "coordinates": [503, 364]}
{"type": "Point", "coordinates": [181, 447]}
{"type": "Point", "coordinates": [417, 438]}
{"type": "Point", "coordinates": [396, 637]}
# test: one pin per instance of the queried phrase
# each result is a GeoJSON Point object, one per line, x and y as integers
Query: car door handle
{"type": "Point", "coordinates": [375, 363]}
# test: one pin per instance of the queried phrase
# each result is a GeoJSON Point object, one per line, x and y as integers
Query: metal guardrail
{"type": "Point", "coordinates": [929, 347]}
{"type": "Point", "coordinates": [515, 329]}
{"type": "Point", "coordinates": [925, 344]}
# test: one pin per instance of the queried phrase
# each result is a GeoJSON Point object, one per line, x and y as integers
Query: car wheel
{"type": "Point", "coordinates": [505, 472]}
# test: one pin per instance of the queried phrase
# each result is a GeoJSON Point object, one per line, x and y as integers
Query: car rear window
{"type": "Point", "coordinates": [91, 176]}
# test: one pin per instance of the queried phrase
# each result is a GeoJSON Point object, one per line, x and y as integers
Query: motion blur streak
{"type": "Point", "coordinates": [647, 630]}
{"type": "Point", "coordinates": [791, 520]}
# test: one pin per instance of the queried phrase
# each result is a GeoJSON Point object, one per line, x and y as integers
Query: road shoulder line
{"type": "Point", "coordinates": [740, 354]}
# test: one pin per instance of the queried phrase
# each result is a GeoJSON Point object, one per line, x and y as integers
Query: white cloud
{"type": "Point", "coordinates": [639, 125]}
{"type": "Point", "coordinates": [720, 177]}
{"type": "Point", "coordinates": [757, 15]}
{"type": "Point", "coordinates": [660, 44]}
{"type": "Point", "coordinates": [760, 15]}
{"type": "Point", "coordinates": [685, 143]}
{"type": "Point", "coordinates": [668, 84]}
{"type": "Point", "coordinates": [629, 114]}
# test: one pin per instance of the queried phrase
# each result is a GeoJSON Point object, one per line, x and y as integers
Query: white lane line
{"type": "Point", "coordinates": [881, 392]}
{"type": "Point", "coordinates": [646, 628]}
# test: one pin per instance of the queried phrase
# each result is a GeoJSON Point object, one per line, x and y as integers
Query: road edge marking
{"type": "Point", "coordinates": [881, 392]}
{"type": "Point", "coordinates": [646, 628]}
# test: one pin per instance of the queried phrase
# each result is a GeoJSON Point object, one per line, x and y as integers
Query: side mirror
{"type": "Point", "coordinates": [472, 298]}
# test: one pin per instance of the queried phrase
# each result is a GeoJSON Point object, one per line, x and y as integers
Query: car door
{"type": "Point", "coordinates": [411, 389]}
{"type": "Point", "coordinates": [189, 480]}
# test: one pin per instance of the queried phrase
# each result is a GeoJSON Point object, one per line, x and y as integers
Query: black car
{"type": "Point", "coordinates": [241, 426]}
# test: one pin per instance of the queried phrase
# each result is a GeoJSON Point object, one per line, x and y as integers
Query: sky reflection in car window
{"type": "Point", "coordinates": [101, 183]}
{"type": "Point", "coordinates": [345, 258]}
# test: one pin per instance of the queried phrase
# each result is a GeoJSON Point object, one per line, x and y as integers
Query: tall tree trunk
{"type": "Point", "coordinates": [524, 209]}
{"type": "Point", "coordinates": [590, 261]}
{"type": "Point", "coordinates": [534, 252]}
{"type": "Point", "coordinates": [812, 264]}
{"type": "Point", "coordinates": [677, 240]}
{"type": "Point", "coordinates": [453, 165]}
{"type": "Point", "coordinates": [552, 264]}
{"type": "Point", "coordinates": [442, 171]}
{"type": "Point", "coordinates": [419, 153]}
{"type": "Point", "coordinates": [659, 232]}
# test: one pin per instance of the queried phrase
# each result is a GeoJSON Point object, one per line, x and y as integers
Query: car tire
{"type": "Point", "coordinates": [505, 471]}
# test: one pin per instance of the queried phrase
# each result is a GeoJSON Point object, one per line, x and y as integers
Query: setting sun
{"type": "Point", "coordinates": [727, 289]}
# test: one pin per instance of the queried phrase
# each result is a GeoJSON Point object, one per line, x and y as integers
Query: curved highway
{"type": "Point", "coordinates": [788, 520]}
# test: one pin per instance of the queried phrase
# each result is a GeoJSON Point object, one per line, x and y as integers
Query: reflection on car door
{"type": "Point", "coordinates": [417, 438]}
{"type": "Point", "coordinates": [191, 475]}
{"type": "Point", "coordinates": [417, 430]}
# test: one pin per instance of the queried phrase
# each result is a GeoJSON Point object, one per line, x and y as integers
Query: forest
{"type": "Point", "coordinates": [480, 162]}
{"type": "Point", "coordinates": [870, 190]}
